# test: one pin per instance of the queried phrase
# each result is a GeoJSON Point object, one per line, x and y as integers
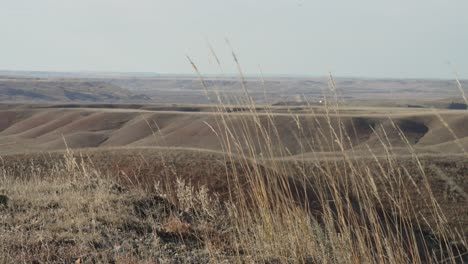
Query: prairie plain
{"type": "Point", "coordinates": [383, 178]}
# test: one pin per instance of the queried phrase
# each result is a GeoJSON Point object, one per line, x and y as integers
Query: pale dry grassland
{"type": "Point", "coordinates": [271, 212]}
{"type": "Point", "coordinates": [77, 215]}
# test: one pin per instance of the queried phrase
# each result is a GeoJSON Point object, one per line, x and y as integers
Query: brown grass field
{"type": "Point", "coordinates": [309, 183]}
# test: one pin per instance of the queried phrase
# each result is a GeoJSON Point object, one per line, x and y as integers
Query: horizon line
{"type": "Point", "coordinates": [147, 74]}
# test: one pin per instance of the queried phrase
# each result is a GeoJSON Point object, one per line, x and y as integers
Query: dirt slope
{"type": "Point", "coordinates": [49, 128]}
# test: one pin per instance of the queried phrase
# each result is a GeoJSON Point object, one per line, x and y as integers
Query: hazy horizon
{"type": "Point", "coordinates": [117, 74]}
{"type": "Point", "coordinates": [364, 38]}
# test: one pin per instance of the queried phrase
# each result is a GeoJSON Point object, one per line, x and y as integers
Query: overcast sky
{"type": "Point", "coordinates": [361, 38]}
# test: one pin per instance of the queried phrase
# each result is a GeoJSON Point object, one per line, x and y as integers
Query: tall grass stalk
{"type": "Point", "coordinates": [332, 211]}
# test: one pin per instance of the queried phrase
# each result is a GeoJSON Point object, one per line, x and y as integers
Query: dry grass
{"type": "Point", "coordinates": [79, 214]}
{"type": "Point", "coordinates": [342, 210]}
{"type": "Point", "coordinates": [336, 215]}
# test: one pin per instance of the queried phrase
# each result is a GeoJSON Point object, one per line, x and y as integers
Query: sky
{"type": "Point", "coordinates": [359, 38]}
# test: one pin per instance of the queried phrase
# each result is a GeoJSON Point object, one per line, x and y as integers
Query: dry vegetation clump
{"type": "Point", "coordinates": [77, 215]}
{"type": "Point", "coordinates": [73, 211]}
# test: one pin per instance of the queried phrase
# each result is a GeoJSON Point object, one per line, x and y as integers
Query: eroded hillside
{"type": "Point", "coordinates": [301, 132]}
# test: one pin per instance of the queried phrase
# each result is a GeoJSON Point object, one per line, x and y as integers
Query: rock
{"type": "Point", "coordinates": [4, 200]}
{"type": "Point", "coordinates": [115, 188]}
{"type": "Point", "coordinates": [156, 207]}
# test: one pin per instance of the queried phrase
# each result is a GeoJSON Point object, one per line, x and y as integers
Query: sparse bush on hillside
{"type": "Point", "coordinates": [454, 105]}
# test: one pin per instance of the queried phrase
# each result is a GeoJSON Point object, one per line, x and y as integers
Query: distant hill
{"type": "Point", "coordinates": [76, 75]}
{"type": "Point", "coordinates": [102, 87]}
{"type": "Point", "coordinates": [42, 90]}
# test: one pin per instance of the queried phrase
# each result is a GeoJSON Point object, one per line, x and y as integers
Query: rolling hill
{"type": "Point", "coordinates": [51, 127]}
{"type": "Point", "coordinates": [44, 90]}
